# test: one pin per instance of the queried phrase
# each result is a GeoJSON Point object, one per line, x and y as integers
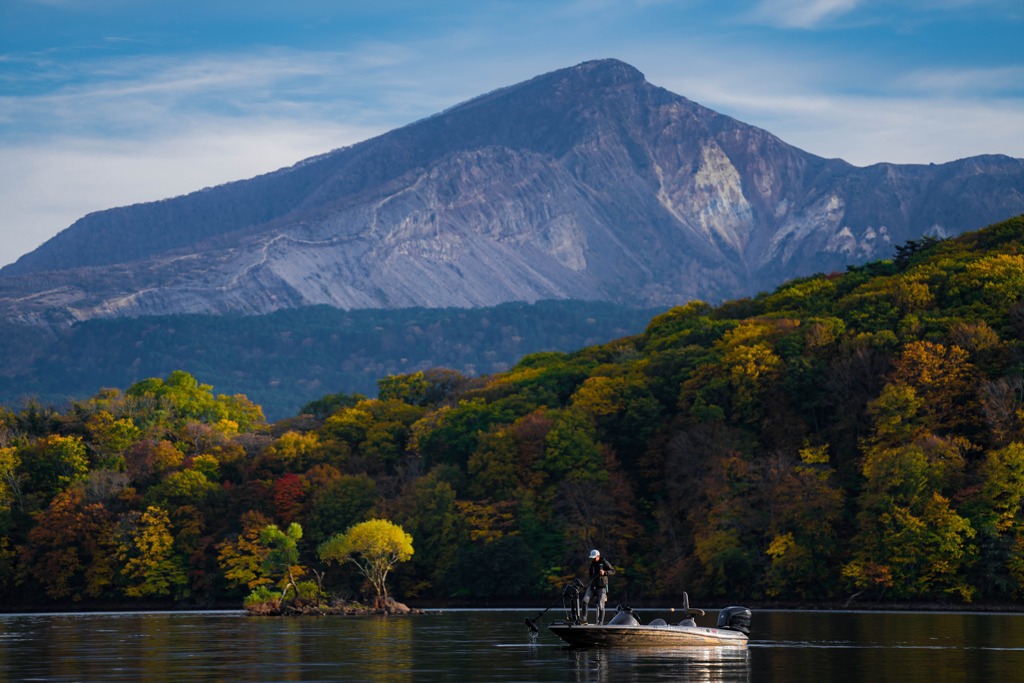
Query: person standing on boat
{"type": "Point", "coordinates": [600, 570]}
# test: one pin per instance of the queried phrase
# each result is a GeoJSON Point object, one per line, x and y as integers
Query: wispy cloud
{"type": "Point", "coordinates": [921, 116]}
{"type": "Point", "coordinates": [47, 185]}
{"type": "Point", "coordinates": [146, 95]}
{"type": "Point", "coordinates": [145, 129]}
{"type": "Point", "coordinates": [968, 83]}
{"type": "Point", "coordinates": [804, 14]}
{"type": "Point", "coordinates": [135, 106]}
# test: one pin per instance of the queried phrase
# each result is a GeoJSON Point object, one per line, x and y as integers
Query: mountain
{"type": "Point", "coordinates": [585, 183]}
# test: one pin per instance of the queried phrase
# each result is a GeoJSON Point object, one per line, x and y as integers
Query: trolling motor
{"type": "Point", "coordinates": [570, 598]}
{"type": "Point", "coordinates": [572, 602]}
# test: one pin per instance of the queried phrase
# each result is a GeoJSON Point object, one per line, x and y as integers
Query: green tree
{"type": "Point", "coordinates": [411, 389]}
{"type": "Point", "coordinates": [429, 510]}
{"type": "Point", "coordinates": [53, 463]}
{"type": "Point", "coordinates": [375, 547]}
{"type": "Point", "coordinates": [806, 509]}
{"type": "Point", "coordinates": [282, 560]}
{"type": "Point", "coordinates": [997, 512]}
{"type": "Point", "coordinates": [571, 447]}
{"type": "Point", "coordinates": [340, 504]}
{"type": "Point", "coordinates": [183, 487]}
{"type": "Point", "coordinates": [182, 398]}
{"type": "Point", "coordinates": [910, 542]}
{"type": "Point", "coordinates": [111, 437]}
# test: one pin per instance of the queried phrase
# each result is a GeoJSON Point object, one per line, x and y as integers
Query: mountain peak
{"type": "Point", "coordinates": [572, 81]}
{"type": "Point", "coordinates": [606, 72]}
{"type": "Point", "coordinates": [587, 182]}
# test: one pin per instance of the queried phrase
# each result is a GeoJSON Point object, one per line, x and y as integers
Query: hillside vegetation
{"type": "Point", "coordinates": [286, 359]}
{"type": "Point", "coordinates": [847, 434]}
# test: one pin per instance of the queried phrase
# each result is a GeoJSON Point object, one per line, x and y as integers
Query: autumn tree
{"type": "Point", "coordinates": [806, 508]}
{"type": "Point", "coordinates": [242, 559]}
{"type": "Point", "coordinates": [288, 494]}
{"type": "Point", "coordinates": [10, 481]}
{"type": "Point", "coordinates": [71, 551]}
{"type": "Point", "coordinates": [291, 452]}
{"type": "Point", "coordinates": [374, 547]}
{"type": "Point", "coordinates": [150, 564]}
{"type": "Point", "coordinates": [945, 380]}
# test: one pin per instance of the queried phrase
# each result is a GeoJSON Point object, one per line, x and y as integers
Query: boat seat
{"type": "Point", "coordinates": [687, 622]}
{"type": "Point", "coordinates": [657, 622]}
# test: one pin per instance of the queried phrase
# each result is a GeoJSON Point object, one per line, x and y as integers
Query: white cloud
{"type": "Point", "coordinates": [146, 128]}
{"type": "Point", "coordinates": [46, 186]}
{"type": "Point", "coordinates": [926, 123]}
{"type": "Point", "coordinates": [800, 13]}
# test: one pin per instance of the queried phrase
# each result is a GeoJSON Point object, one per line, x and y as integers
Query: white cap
{"type": "Point", "coordinates": [595, 553]}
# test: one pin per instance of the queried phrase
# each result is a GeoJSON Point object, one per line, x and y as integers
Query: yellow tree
{"type": "Point", "coordinates": [375, 547]}
{"type": "Point", "coordinates": [150, 563]}
{"type": "Point", "coordinates": [945, 381]}
{"type": "Point", "coordinates": [10, 482]}
{"type": "Point", "coordinates": [242, 559]}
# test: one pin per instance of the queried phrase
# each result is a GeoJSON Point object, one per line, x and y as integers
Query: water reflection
{"type": "Point", "coordinates": [696, 664]}
{"type": "Point", "coordinates": [495, 647]}
{"type": "Point", "coordinates": [860, 646]}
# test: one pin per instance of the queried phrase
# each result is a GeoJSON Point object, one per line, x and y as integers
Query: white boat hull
{"type": "Point", "coordinates": [586, 635]}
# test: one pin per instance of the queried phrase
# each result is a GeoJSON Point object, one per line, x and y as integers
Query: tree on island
{"type": "Point", "coordinates": [375, 547]}
{"type": "Point", "coordinates": [283, 558]}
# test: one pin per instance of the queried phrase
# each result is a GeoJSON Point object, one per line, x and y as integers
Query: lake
{"type": "Point", "coordinates": [495, 645]}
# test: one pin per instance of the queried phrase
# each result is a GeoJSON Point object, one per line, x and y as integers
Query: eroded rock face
{"type": "Point", "coordinates": [584, 183]}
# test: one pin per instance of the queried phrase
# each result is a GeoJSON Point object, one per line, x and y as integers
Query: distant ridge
{"type": "Point", "coordinates": [585, 183]}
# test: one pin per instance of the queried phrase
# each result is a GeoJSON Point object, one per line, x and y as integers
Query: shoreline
{"type": "Point", "coordinates": [428, 606]}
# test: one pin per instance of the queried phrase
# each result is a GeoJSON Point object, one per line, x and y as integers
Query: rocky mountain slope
{"type": "Point", "coordinates": [585, 183]}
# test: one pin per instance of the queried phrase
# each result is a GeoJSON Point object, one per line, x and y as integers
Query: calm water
{"type": "Point", "coordinates": [496, 646]}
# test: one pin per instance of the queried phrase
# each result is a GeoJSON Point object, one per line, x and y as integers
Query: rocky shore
{"type": "Point", "coordinates": [337, 607]}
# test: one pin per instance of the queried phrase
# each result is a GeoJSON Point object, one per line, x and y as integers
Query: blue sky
{"type": "Point", "coordinates": [110, 102]}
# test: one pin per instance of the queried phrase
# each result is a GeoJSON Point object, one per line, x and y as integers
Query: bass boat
{"type": "Point", "coordinates": [625, 629]}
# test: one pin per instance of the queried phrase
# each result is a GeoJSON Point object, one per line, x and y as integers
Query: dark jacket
{"type": "Point", "coordinates": [596, 565]}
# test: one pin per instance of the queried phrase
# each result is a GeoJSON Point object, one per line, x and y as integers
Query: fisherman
{"type": "Point", "coordinates": [600, 570]}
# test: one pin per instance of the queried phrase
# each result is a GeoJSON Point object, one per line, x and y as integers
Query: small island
{"type": "Point", "coordinates": [374, 547]}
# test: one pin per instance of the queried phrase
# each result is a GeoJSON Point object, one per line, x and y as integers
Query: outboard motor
{"type": "Point", "coordinates": [735, 619]}
{"type": "Point", "coordinates": [624, 617]}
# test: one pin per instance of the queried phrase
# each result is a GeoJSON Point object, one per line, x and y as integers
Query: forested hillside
{"type": "Point", "coordinates": [286, 359]}
{"type": "Point", "coordinates": [847, 434]}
